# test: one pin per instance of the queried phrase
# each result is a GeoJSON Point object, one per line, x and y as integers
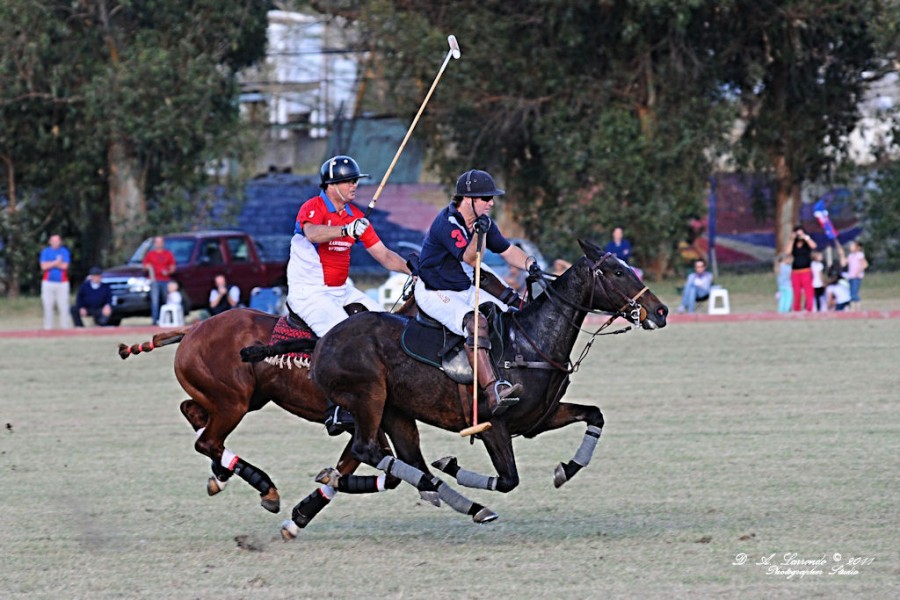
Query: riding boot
{"type": "Point", "coordinates": [338, 420]}
{"type": "Point", "coordinates": [500, 394]}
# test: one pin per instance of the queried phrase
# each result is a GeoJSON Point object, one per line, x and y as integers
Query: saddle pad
{"type": "Point", "coordinates": [284, 331]}
{"type": "Point", "coordinates": [424, 343]}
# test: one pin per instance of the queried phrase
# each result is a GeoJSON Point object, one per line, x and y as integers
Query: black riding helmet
{"type": "Point", "coordinates": [339, 168]}
{"type": "Point", "coordinates": [477, 184]}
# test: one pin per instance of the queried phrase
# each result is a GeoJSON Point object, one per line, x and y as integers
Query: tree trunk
{"type": "Point", "coordinates": [13, 281]}
{"type": "Point", "coordinates": [128, 206]}
{"type": "Point", "coordinates": [787, 205]}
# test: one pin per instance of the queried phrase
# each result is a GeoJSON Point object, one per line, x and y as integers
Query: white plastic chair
{"type": "Point", "coordinates": [718, 301]}
{"type": "Point", "coordinates": [171, 315]}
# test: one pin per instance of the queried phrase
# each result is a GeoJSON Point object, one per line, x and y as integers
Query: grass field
{"type": "Point", "coordinates": [725, 443]}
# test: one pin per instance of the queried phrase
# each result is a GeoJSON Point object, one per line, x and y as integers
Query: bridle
{"type": "Point", "coordinates": [631, 310]}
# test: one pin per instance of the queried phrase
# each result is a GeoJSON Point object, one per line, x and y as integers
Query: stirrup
{"type": "Point", "coordinates": [505, 401]}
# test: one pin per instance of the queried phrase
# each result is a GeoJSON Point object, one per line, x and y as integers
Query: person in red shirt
{"type": "Point", "coordinates": [327, 226]}
{"type": "Point", "coordinates": [161, 264]}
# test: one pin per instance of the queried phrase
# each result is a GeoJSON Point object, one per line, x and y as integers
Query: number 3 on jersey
{"type": "Point", "coordinates": [457, 235]}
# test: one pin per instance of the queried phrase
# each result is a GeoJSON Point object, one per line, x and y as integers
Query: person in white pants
{"type": "Point", "coordinates": [55, 287]}
{"type": "Point", "coordinates": [327, 226]}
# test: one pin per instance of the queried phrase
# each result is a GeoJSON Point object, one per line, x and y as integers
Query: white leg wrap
{"type": "Point", "coordinates": [327, 491]}
{"type": "Point", "coordinates": [379, 482]}
{"type": "Point", "coordinates": [476, 480]}
{"type": "Point", "coordinates": [454, 499]}
{"type": "Point", "coordinates": [588, 444]}
{"type": "Point", "coordinates": [229, 459]}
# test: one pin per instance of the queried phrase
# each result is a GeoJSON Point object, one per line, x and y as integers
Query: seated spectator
{"type": "Point", "coordinates": [837, 293]}
{"type": "Point", "coordinates": [697, 287]}
{"type": "Point", "coordinates": [94, 299]}
{"type": "Point", "coordinates": [173, 296]}
{"type": "Point", "coordinates": [223, 296]}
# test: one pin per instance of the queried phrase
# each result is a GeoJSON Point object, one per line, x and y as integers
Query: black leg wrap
{"type": "Point", "coordinates": [358, 484]}
{"type": "Point", "coordinates": [308, 508]}
{"type": "Point", "coordinates": [570, 469]}
{"type": "Point", "coordinates": [221, 473]}
{"type": "Point", "coordinates": [256, 478]}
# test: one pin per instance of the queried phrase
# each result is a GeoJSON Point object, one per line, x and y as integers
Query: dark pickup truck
{"type": "Point", "coordinates": [199, 257]}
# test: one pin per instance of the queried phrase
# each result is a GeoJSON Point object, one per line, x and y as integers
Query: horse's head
{"type": "Point", "coordinates": [616, 289]}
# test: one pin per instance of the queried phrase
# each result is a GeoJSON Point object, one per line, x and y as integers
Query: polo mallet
{"type": "Point", "coordinates": [453, 53]}
{"type": "Point", "coordinates": [476, 427]}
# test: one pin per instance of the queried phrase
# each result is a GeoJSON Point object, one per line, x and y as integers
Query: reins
{"type": "Point", "coordinates": [554, 297]}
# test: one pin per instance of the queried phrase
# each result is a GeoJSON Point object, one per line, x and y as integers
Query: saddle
{"type": "Point", "coordinates": [426, 340]}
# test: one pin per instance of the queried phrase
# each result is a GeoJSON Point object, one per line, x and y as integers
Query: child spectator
{"type": "Point", "coordinates": [856, 269]}
{"type": "Point", "coordinates": [785, 293]}
{"type": "Point", "coordinates": [173, 296]}
{"type": "Point", "coordinates": [818, 268]}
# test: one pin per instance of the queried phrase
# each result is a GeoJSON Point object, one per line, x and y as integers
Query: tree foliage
{"type": "Point", "coordinates": [604, 113]}
{"type": "Point", "coordinates": [110, 109]}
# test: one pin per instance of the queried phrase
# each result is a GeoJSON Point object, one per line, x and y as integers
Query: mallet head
{"type": "Point", "coordinates": [454, 46]}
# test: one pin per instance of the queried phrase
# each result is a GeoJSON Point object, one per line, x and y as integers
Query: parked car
{"type": "Point", "coordinates": [199, 257]}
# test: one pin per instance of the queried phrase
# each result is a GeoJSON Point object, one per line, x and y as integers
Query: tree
{"type": "Point", "coordinates": [799, 68]}
{"type": "Point", "coordinates": [141, 94]}
{"type": "Point", "coordinates": [594, 114]}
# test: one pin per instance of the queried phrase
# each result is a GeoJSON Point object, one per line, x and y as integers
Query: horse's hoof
{"type": "Point", "coordinates": [446, 464]}
{"type": "Point", "coordinates": [214, 486]}
{"type": "Point", "coordinates": [559, 476]}
{"type": "Point", "coordinates": [485, 515]}
{"type": "Point", "coordinates": [271, 501]}
{"type": "Point", "coordinates": [431, 497]}
{"type": "Point", "coordinates": [329, 476]}
{"type": "Point", "coordinates": [289, 530]}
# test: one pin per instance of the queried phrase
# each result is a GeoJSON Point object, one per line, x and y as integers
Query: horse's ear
{"type": "Point", "coordinates": [592, 251]}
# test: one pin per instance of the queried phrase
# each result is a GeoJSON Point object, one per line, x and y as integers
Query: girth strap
{"type": "Point", "coordinates": [520, 363]}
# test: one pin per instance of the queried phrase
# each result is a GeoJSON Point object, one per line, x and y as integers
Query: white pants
{"type": "Point", "coordinates": [449, 307]}
{"type": "Point", "coordinates": [322, 307]}
{"type": "Point", "coordinates": [56, 293]}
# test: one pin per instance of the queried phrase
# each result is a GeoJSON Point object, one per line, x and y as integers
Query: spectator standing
{"type": "Point", "coordinates": [161, 264]}
{"type": "Point", "coordinates": [856, 269]}
{"type": "Point", "coordinates": [619, 245]}
{"type": "Point", "coordinates": [223, 296]}
{"type": "Point", "coordinates": [783, 277]}
{"type": "Point", "coordinates": [697, 287]}
{"type": "Point", "coordinates": [801, 271]}
{"type": "Point", "coordinates": [818, 270]}
{"type": "Point", "coordinates": [55, 287]}
{"type": "Point", "coordinates": [94, 299]}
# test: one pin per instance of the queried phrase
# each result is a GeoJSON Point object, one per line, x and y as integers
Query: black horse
{"type": "Point", "coordinates": [362, 367]}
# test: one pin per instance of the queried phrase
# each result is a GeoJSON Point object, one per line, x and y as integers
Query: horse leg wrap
{"type": "Point", "coordinates": [361, 484]}
{"type": "Point", "coordinates": [454, 499]}
{"type": "Point", "coordinates": [309, 507]}
{"type": "Point", "coordinates": [588, 444]}
{"type": "Point", "coordinates": [475, 480]}
{"type": "Point", "coordinates": [220, 472]}
{"type": "Point", "coordinates": [408, 473]}
{"type": "Point", "coordinates": [256, 478]}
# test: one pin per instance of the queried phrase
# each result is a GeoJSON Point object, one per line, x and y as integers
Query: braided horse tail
{"type": "Point", "coordinates": [160, 339]}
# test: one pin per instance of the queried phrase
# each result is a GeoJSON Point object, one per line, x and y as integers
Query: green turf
{"type": "Point", "coordinates": [722, 440]}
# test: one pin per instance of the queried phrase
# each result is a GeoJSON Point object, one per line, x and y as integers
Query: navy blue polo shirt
{"type": "Point", "coordinates": [440, 264]}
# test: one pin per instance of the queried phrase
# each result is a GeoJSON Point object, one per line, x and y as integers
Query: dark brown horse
{"type": "Point", "coordinates": [385, 388]}
{"type": "Point", "coordinates": [223, 390]}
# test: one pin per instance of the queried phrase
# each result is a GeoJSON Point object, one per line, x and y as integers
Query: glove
{"type": "Point", "coordinates": [482, 224]}
{"type": "Point", "coordinates": [355, 228]}
{"type": "Point", "coordinates": [534, 270]}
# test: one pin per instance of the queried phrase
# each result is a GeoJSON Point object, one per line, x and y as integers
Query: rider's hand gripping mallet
{"type": "Point", "coordinates": [476, 427]}
{"type": "Point", "coordinates": [453, 53]}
